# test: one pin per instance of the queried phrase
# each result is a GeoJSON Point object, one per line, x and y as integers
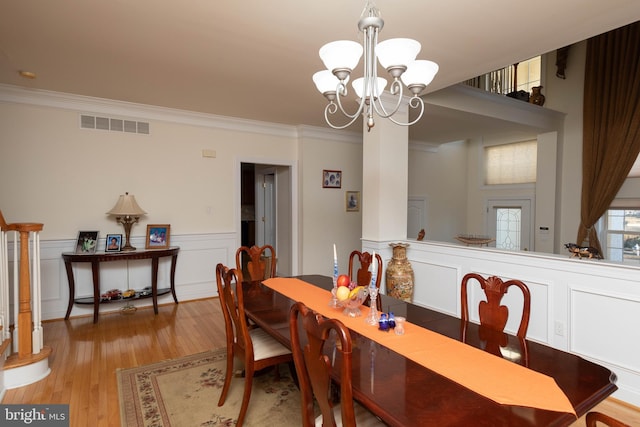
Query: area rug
{"type": "Point", "coordinates": [184, 393]}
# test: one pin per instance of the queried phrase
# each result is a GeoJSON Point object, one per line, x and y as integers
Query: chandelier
{"type": "Point", "coordinates": [396, 56]}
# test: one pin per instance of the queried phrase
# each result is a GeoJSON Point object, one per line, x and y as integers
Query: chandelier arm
{"type": "Point", "coordinates": [343, 92]}
{"type": "Point", "coordinates": [333, 108]}
{"type": "Point", "coordinates": [414, 102]}
{"type": "Point", "coordinates": [396, 87]}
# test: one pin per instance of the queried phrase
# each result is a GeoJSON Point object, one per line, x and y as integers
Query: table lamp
{"type": "Point", "coordinates": [127, 212]}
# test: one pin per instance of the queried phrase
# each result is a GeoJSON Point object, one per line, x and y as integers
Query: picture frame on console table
{"type": "Point", "coordinates": [113, 243]}
{"type": "Point", "coordinates": [87, 242]}
{"type": "Point", "coordinates": [158, 236]}
{"type": "Point", "coordinates": [331, 179]}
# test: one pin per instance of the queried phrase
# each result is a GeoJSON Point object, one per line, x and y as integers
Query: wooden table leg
{"type": "Point", "coordinates": [72, 288]}
{"type": "Point", "coordinates": [154, 283]}
{"type": "Point", "coordinates": [95, 269]}
{"type": "Point", "coordinates": [174, 259]}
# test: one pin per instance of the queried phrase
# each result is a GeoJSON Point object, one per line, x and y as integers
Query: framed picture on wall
{"type": "Point", "coordinates": [352, 201]}
{"type": "Point", "coordinates": [87, 242]}
{"type": "Point", "coordinates": [157, 236]}
{"type": "Point", "coordinates": [331, 179]}
{"type": "Point", "coordinates": [114, 243]}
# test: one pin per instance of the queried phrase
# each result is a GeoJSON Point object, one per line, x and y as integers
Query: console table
{"type": "Point", "coordinates": [95, 260]}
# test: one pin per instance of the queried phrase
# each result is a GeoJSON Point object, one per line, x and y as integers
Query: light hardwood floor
{"type": "Point", "coordinates": [85, 358]}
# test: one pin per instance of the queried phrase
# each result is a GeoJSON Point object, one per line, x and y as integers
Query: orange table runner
{"type": "Point", "coordinates": [498, 379]}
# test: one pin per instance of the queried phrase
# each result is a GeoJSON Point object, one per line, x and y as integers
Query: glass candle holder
{"type": "Point", "coordinates": [399, 329]}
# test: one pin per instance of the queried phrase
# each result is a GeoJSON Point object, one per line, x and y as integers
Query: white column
{"type": "Point", "coordinates": [385, 179]}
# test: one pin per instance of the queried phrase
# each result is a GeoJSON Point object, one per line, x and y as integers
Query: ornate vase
{"type": "Point", "coordinates": [399, 273]}
{"type": "Point", "coordinates": [536, 96]}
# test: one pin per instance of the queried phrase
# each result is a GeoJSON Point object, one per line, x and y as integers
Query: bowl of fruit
{"type": "Point", "coordinates": [351, 297]}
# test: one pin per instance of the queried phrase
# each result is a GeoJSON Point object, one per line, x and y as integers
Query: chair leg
{"type": "Point", "coordinates": [248, 383]}
{"type": "Point", "coordinates": [294, 374]}
{"type": "Point", "coordinates": [227, 378]}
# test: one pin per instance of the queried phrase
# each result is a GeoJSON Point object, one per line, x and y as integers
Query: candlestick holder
{"type": "Point", "coordinates": [372, 318]}
{"type": "Point", "coordinates": [333, 302]}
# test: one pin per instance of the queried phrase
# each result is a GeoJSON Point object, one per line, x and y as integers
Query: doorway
{"type": "Point", "coordinates": [266, 210]}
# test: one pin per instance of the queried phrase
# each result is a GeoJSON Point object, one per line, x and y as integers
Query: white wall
{"type": "Point", "coordinates": [68, 178]}
{"type": "Point", "coordinates": [441, 177]}
{"type": "Point", "coordinates": [325, 219]}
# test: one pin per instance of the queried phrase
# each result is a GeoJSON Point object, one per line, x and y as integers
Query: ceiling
{"type": "Point", "coordinates": [254, 59]}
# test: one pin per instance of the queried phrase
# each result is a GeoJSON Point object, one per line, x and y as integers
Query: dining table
{"type": "Point", "coordinates": [427, 377]}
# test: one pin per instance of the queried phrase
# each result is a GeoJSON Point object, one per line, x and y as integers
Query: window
{"type": "Point", "coordinates": [528, 74]}
{"type": "Point", "coordinates": [511, 163]}
{"type": "Point", "coordinates": [622, 231]}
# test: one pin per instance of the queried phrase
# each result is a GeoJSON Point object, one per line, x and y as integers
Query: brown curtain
{"type": "Point", "coordinates": [611, 122]}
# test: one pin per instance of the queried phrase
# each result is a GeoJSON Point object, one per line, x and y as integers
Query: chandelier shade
{"type": "Point", "coordinates": [397, 52]}
{"type": "Point", "coordinates": [326, 81]}
{"type": "Point", "coordinates": [397, 56]}
{"type": "Point", "coordinates": [358, 87]}
{"type": "Point", "coordinates": [341, 54]}
{"type": "Point", "coordinates": [419, 72]}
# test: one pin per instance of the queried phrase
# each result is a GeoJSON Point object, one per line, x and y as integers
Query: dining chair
{"type": "Point", "coordinates": [254, 347]}
{"type": "Point", "coordinates": [492, 314]}
{"type": "Point", "coordinates": [314, 369]}
{"type": "Point", "coordinates": [258, 262]}
{"type": "Point", "coordinates": [363, 274]}
{"type": "Point", "coordinates": [593, 417]}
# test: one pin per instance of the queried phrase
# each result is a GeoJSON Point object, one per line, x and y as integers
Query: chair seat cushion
{"type": "Point", "coordinates": [364, 418]}
{"type": "Point", "coordinates": [265, 346]}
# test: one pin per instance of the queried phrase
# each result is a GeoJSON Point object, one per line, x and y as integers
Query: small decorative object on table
{"type": "Point", "coordinates": [383, 323]}
{"type": "Point", "coordinates": [333, 302]}
{"type": "Point", "coordinates": [583, 251]}
{"type": "Point", "coordinates": [352, 303]}
{"type": "Point", "coordinates": [372, 318]}
{"type": "Point", "coordinates": [469, 239]}
{"type": "Point", "coordinates": [399, 329]}
{"type": "Point", "coordinates": [158, 236]}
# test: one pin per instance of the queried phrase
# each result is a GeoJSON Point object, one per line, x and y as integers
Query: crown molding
{"type": "Point", "coordinates": [109, 107]}
{"type": "Point", "coordinates": [315, 132]}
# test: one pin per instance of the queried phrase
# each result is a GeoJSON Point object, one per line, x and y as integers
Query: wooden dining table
{"type": "Point", "coordinates": [405, 393]}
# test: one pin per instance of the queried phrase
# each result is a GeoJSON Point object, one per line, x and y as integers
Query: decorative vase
{"type": "Point", "coordinates": [399, 273]}
{"type": "Point", "coordinates": [536, 97]}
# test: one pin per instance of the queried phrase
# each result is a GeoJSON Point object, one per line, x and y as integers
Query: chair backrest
{"type": "Point", "coordinates": [363, 275]}
{"type": "Point", "coordinates": [260, 261]}
{"type": "Point", "coordinates": [492, 314]}
{"type": "Point", "coordinates": [314, 367]}
{"type": "Point", "coordinates": [593, 416]}
{"type": "Point", "coordinates": [235, 321]}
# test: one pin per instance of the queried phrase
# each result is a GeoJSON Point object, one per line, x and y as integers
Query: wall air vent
{"type": "Point", "coordinates": [113, 124]}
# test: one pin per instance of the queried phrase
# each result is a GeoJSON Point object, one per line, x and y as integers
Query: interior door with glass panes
{"type": "Point", "coordinates": [509, 222]}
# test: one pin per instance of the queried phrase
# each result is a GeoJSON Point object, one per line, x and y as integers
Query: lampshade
{"type": "Point", "coordinates": [420, 72]}
{"type": "Point", "coordinates": [126, 206]}
{"type": "Point", "coordinates": [359, 83]}
{"type": "Point", "coordinates": [326, 82]}
{"type": "Point", "coordinates": [341, 54]}
{"type": "Point", "coordinates": [397, 52]}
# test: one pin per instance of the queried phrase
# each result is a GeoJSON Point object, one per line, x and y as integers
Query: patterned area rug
{"type": "Point", "coordinates": [184, 393]}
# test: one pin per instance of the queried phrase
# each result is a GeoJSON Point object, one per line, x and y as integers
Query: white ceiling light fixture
{"type": "Point", "coordinates": [397, 56]}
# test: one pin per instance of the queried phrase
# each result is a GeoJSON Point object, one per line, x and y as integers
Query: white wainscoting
{"type": "Point", "coordinates": [586, 307]}
{"type": "Point", "coordinates": [195, 273]}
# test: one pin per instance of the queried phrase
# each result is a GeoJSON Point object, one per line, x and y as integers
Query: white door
{"type": "Point", "coordinates": [416, 216]}
{"type": "Point", "coordinates": [265, 209]}
{"type": "Point", "coordinates": [509, 222]}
